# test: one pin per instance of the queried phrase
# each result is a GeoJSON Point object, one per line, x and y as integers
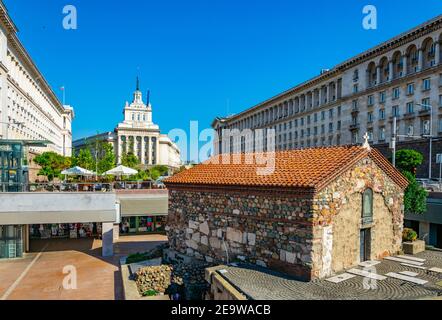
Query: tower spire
{"type": "Point", "coordinates": [138, 83]}
{"type": "Point", "coordinates": [148, 98]}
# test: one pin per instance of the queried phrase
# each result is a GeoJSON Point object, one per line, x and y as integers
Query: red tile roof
{"type": "Point", "coordinates": [312, 168]}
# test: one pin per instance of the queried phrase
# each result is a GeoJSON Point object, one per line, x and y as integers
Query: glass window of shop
{"type": "Point", "coordinates": [143, 224]}
{"type": "Point", "coordinates": [11, 242]}
{"type": "Point", "coordinates": [65, 231]}
{"type": "Point", "coordinates": [12, 165]}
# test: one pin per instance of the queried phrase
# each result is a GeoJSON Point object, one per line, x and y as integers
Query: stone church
{"type": "Point", "coordinates": [320, 211]}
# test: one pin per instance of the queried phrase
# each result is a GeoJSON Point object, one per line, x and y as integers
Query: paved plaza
{"type": "Point", "coordinates": [39, 276]}
{"type": "Point", "coordinates": [267, 285]}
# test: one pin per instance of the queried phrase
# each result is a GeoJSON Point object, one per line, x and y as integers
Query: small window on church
{"type": "Point", "coordinates": [367, 207]}
{"type": "Point", "coordinates": [139, 117]}
{"type": "Point", "coordinates": [133, 116]}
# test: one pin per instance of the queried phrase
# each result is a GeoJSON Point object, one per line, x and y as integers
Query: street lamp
{"type": "Point", "coordinates": [430, 107]}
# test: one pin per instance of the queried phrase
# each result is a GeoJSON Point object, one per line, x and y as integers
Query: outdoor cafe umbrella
{"type": "Point", "coordinates": [121, 171]}
{"type": "Point", "coordinates": [77, 171]}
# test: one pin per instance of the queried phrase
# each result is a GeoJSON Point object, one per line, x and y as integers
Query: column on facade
{"type": "Point", "coordinates": [148, 151]}
{"type": "Point", "coordinates": [119, 148]}
{"type": "Point", "coordinates": [390, 70]}
{"type": "Point", "coordinates": [378, 75]}
{"type": "Point", "coordinates": [319, 96]}
{"type": "Point", "coordinates": [421, 60]}
{"type": "Point", "coordinates": [437, 49]}
{"type": "Point", "coordinates": [404, 64]}
{"type": "Point", "coordinates": [143, 152]}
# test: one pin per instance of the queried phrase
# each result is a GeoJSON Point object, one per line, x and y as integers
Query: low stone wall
{"type": "Point", "coordinates": [268, 229]}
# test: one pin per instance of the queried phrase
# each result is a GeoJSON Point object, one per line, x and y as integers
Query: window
{"type": "Point", "coordinates": [323, 115]}
{"type": "Point", "coordinates": [426, 104]}
{"type": "Point", "coordinates": [370, 100]}
{"type": "Point", "coordinates": [355, 104]}
{"type": "Point", "coordinates": [382, 134]}
{"type": "Point", "coordinates": [382, 114]}
{"type": "Point", "coordinates": [410, 130]}
{"type": "Point", "coordinates": [367, 207]}
{"type": "Point", "coordinates": [410, 89]}
{"type": "Point", "coordinates": [440, 101]}
{"type": "Point", "coordinates": [370, 117]}
{"type": "Point", "coordinates": [331, 112]}
{"type": "Point", "coordinates": [302, 122]}
{"type": "Point", "coordinates": [426, 84]}
{"type": "Point", "coordinates": [315, 117]}
{"type": "Point", "coordinates": [339, 111]}
{"type": "Point", "coordinates": [330, 127]}
{"type": "Point", "coordinates": [396, 93]}
{"type": "Point", "coordinates": [370, 135]}
{"type": "Point", "coordinates": [339, 125]}
{"type": "Point", "coordinates": [355, 88]}
{"type": "Point", "coordinates": [410, 108]}
{"type": "Point", "coordinates": [395, 111]}
{"type": "Point", "coordinates": [315, 131]}
{"type": "Point", "coordinates": [356, 75]}
{"type": "Point", "coordinates": [425, 125]}
{"type": "Point", "coordinates": [440, 124]}
{"type": "Point", "coordinates": [382, 97]}
{"type": "Point", "coordinates": [322, 129]}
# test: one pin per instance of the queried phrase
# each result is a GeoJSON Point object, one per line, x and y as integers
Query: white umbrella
{"type": "Point", "coordinates": [121, 171]}
{"type": "Point", "coordinates": [77, 171]}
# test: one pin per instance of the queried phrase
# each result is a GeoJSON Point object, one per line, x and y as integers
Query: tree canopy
{"type": "Point", "coordinates": [408, 160]}
{"type": "Point", "coordinates": [52, 164]}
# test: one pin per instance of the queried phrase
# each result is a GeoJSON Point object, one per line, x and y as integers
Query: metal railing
{"type": "Point", "coordinates": [80, 186]}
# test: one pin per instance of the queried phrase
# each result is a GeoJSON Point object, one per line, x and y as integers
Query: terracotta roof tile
{"type": "Point", "coordinates": [305, 168]}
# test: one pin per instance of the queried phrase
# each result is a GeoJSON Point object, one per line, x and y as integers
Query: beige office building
{"type": "Point", "coordinates": [361, 95]}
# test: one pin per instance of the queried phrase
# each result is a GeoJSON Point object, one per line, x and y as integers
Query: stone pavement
{"type": "Point", "coordinates": [39, 276]}
{"type": "Point", "coordinates": [268, 285]}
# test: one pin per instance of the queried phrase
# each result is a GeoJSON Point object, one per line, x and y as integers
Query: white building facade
{"type": "Point", "coordinates": [361, 95]}
{"type": "Point", "coordinates": [29, 109]}
{"type": "Point", "coordinates": [138, 134]}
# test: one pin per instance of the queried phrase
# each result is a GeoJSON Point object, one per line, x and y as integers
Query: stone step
{"type": "Point", "coordinates": [404, 261]}
{"type": "Point", "coordinates": [412, 258]}
{"type": "Point", "coordinates": [368, 264]}
{"type": "Point", "coordinates": [406, 278]}
{"type": "Point", "coordinates": [409, 273]}
{"type": "Point", "coordinates": [413, 266]}
{"type": "Point", "coordinates": [367, 274]}
{"type": "Point", "coordinates": [438, 270]}
{"type": "Point", "coordinates": [341, 278]}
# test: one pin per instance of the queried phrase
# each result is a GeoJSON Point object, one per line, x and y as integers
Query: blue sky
{"type": "Point", "coordinates": [200, 59]}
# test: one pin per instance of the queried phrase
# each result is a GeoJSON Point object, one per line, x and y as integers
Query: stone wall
{"type": "Point", "coordinates": [338, 209]}
{"type": "Point", "coordinates": [268, 229]}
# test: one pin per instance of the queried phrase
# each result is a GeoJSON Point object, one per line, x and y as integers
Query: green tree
{"type": "Point", "coordinates": [415, 198]}
{"type": "Point", "coordinates": [158, 171]}
{"type": "Point", "coordinates": [85, 160]}
{"type": "Point", "coordinates": [106, 159]}
{"type": "Point", "coordinates": [408, 160]}
{"type": "Point", "coordinates": [52, 164]}
{"type": "Point", "coordinates": [130, 160]}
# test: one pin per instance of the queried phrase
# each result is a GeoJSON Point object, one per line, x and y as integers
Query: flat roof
{"type": "Point", "coordinates": [31, 143]}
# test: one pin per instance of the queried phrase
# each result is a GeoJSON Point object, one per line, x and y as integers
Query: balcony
{"type": "Point", "coordinates": [409, 115]}
{"type": "Point", "coordinates": [355, 126]}
{"type": "Point", "coordinates": [424, 112]}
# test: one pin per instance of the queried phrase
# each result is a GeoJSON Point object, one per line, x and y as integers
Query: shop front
{"type": "Point", "coordinates": [65, 231]}
{"type": "Point", "coordinates": [11, 242]}
{"type": "Point", "coordinates": [143, 224]}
